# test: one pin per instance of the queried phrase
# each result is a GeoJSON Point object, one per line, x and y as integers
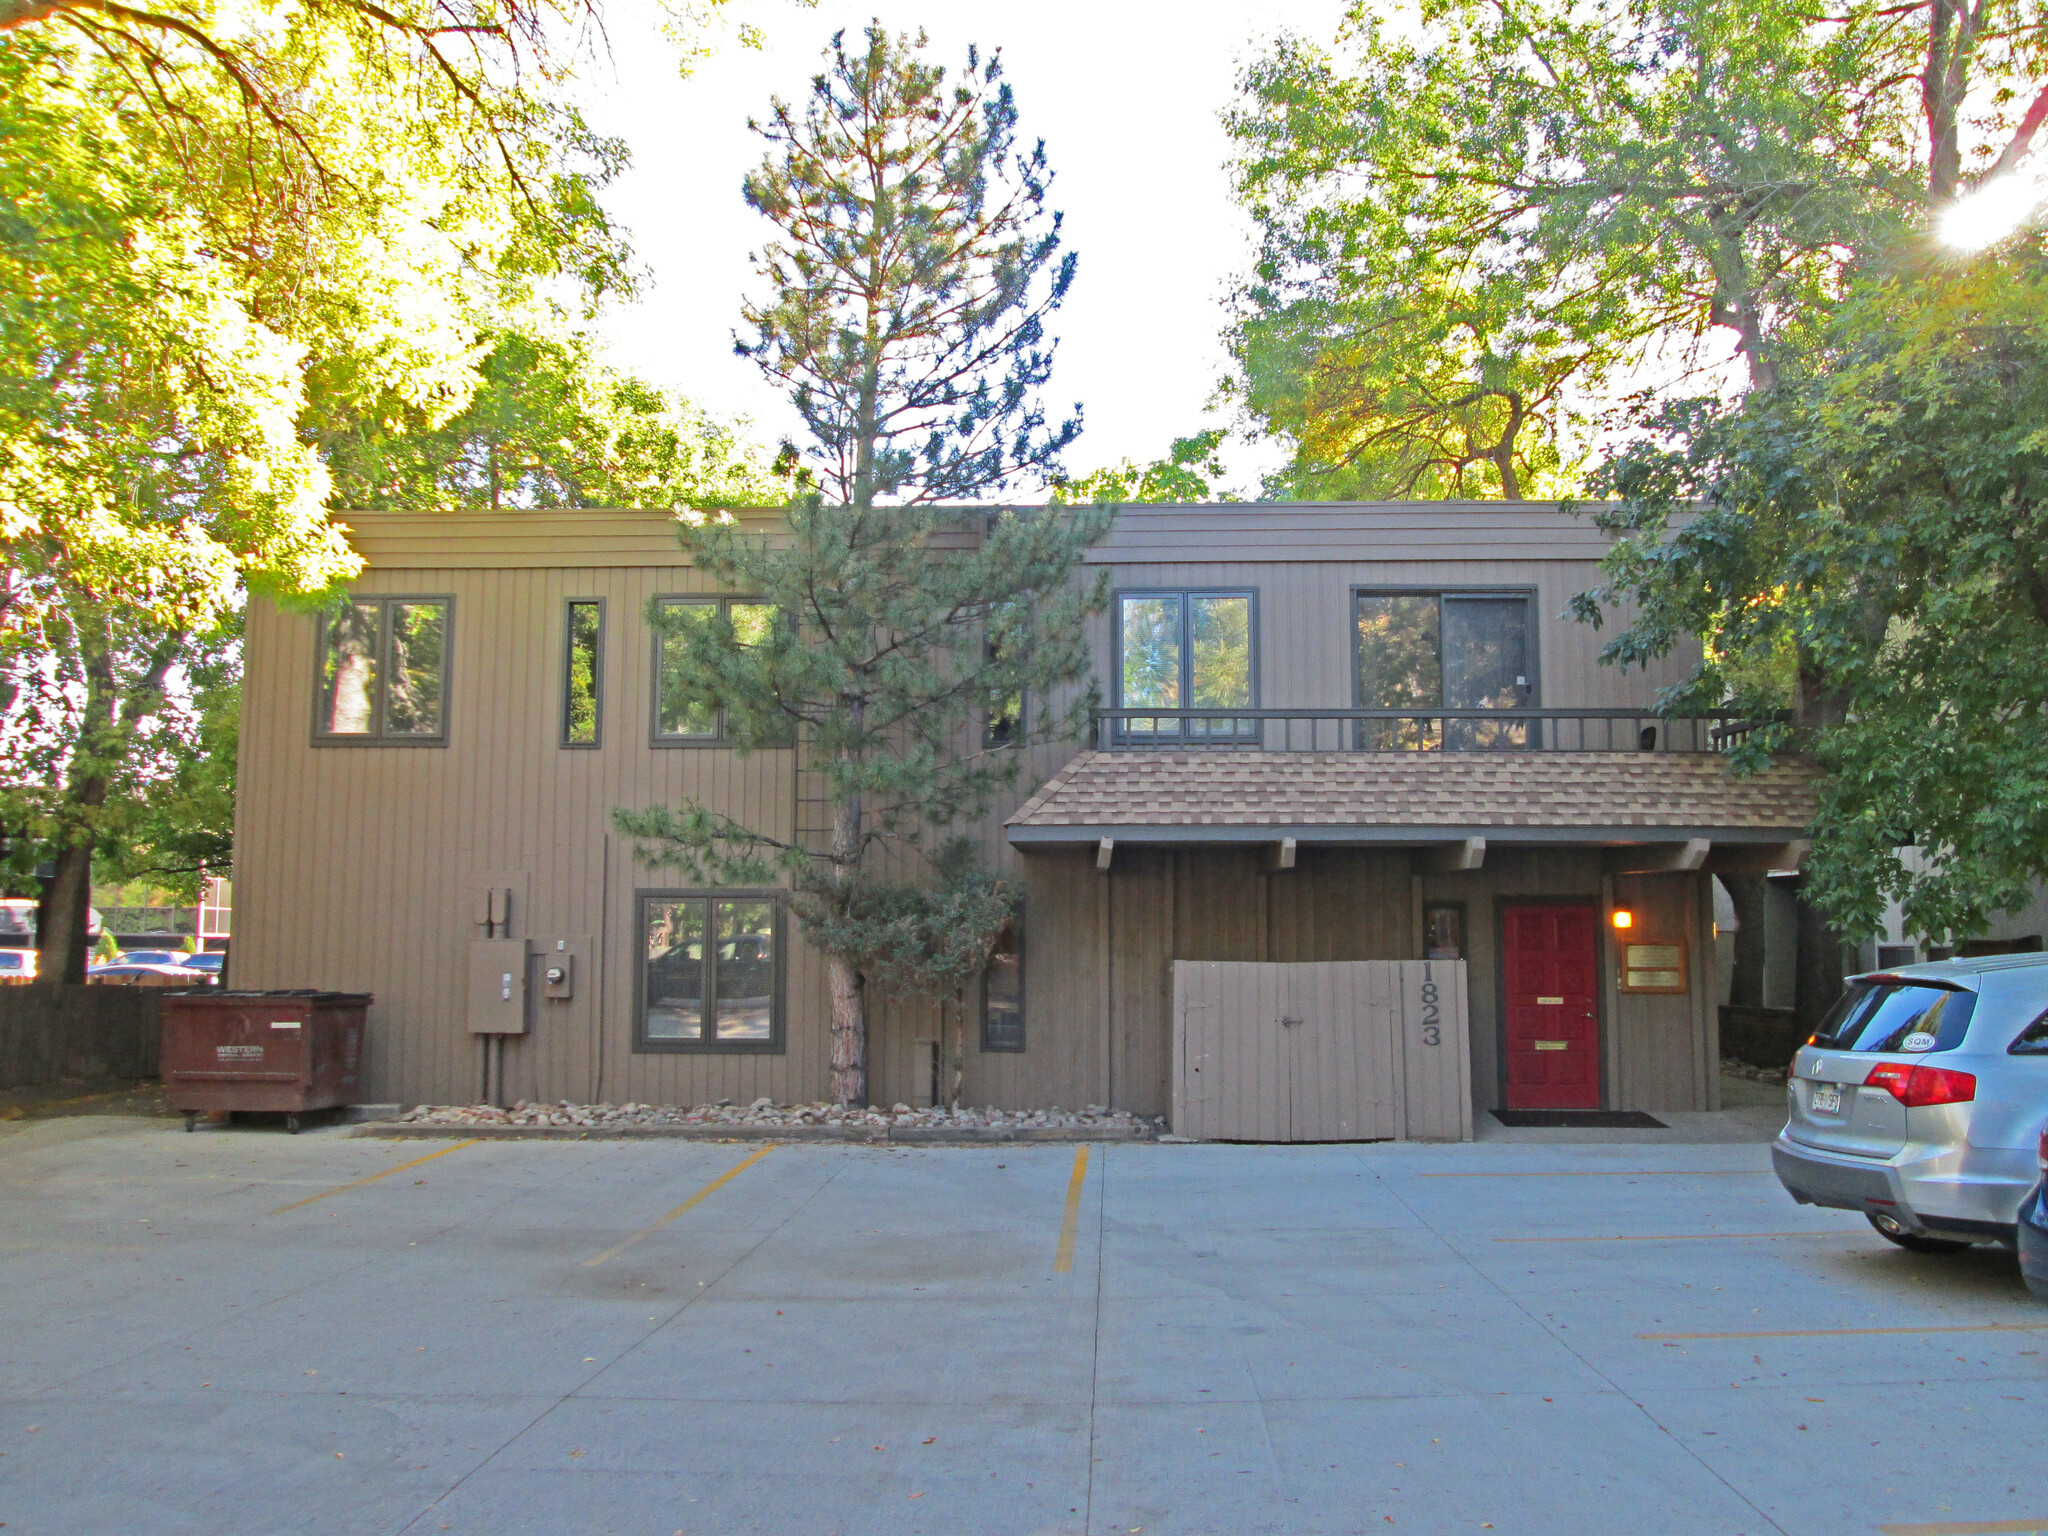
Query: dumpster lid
{"type": "Point", "coordinates": [293, 994]}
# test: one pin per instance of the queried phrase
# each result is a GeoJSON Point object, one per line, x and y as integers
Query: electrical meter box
{"type": "Point", "coordinates": [562, 963]}
{"type": "Point", "coordinates": [497, 986]}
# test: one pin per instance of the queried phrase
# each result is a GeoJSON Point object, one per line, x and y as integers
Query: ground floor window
{"type": "Point", "coordinates": [1002, 994]}
{"type": "Point", "coordinates": [711, 971]}
{"type": "Point", "coordinates": [1443, 930]}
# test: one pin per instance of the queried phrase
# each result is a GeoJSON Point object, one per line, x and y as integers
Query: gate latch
{"type": "Point", "coordinates": [1286, 1021]}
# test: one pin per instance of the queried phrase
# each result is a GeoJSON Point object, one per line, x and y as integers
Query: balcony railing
{"type": "Point", "coordinates": [1433, 730]}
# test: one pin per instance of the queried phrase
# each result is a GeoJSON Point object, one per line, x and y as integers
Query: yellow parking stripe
{"type": "Point", "coordinates": [1969, 1528]}
{"type": "Point", "coordinates": [1676, 1237]}
{"type": "Point", "coordinates": [659, 1222]}
{"type": "Point", "coordinates": [1844, 1333]}
{"type": "Point", "coordinates": [1610, 1173]}
{"type": "Point", "coordinates": [372, 1178]}
{"type": "Point", "coordinates": [1063, 1259]}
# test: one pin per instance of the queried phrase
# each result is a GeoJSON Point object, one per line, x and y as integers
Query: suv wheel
{"type": "Point", "coordinates": [1893, 1231]}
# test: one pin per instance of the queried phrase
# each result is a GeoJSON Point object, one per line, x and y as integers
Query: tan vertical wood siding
{"type": "Point", "coordinates": [358, 867]}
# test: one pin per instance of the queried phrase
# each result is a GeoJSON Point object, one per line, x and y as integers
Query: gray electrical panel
{"type": "Point", "coordinates": [497, 987]}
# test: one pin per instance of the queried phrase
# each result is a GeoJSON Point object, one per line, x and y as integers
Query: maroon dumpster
{"type": "Point", "coordinates": [286, 1052]}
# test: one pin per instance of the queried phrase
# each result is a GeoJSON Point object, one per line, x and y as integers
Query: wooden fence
{"type": "Point", "coordinates": [49, 1034]}
{"type": "Point", "coordinates": [1367, 1050]}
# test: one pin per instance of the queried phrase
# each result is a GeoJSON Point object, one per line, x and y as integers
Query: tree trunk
{"type": "Point", "coordinates": [849, 989]}
{"type": "Point", "coordinates": [1748, 895]}
{"type": "Point", "coordinates": [956, 1061]}
{"type": "Point", "coordinates": [62, 916]}
{"type": "Point", "coordinates": [849, 1033]}
{"type": "Point", "coordinates": [1817, 980]}
{"type": "Point", "coordinates": [105, 737]}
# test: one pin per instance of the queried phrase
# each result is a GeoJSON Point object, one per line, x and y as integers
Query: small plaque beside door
{"type": "Point", "coordinates": [1653, 967]}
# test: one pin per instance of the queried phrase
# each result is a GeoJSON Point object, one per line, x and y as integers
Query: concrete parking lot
{"type": "Point", "coordinates": [238, 1331]}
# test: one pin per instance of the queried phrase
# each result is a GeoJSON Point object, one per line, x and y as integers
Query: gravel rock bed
{"type": "Point", "coordinates": [766, 1114]}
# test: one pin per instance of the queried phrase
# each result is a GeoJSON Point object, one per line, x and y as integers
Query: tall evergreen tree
{"type": "Point", "coordinates": [918, 644]}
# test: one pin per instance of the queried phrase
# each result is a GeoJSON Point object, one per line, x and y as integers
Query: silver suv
{"type": "Point", "coordinates": [1920, 1101]}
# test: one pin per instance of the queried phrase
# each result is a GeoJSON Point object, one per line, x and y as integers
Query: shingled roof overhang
{"type": "Point", "coordinates": [1229, 796]}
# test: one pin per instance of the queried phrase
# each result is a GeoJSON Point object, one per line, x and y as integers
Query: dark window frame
{"type": "Point", "coordinates": [1252, 738]}
{"type": "Point", "coordinates": [1463, 909]}
{"type": "Point", "coordinates": [656, 737]}
{"type": "Point", "coordinates": [1016, 932]}
{"type": "Point", "coordinates": [569, 607]}
{"type": "Point", "coordinates": [993, 740]}
{"type": "Point", "coordinates": [778, 1013]}
{"type": "Point", "coordinates": [1376, 589]}
{"type": "Point", "coordinates": [1534, 658]}
{"type": "Point", "coordinates": [376, 737]}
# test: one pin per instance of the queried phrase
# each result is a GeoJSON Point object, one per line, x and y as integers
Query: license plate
{"type": "Point", "coordinates": [1827, 1099]}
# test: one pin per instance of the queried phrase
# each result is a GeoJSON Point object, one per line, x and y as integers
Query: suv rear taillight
{"type": "Point", "coordinates": [2044, 1152]}
{"type": "Point", "coordinates": [1918, 1086]}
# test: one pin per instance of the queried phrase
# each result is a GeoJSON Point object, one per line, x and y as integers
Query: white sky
{"type": "Point", "coordinates": [1126, 97]}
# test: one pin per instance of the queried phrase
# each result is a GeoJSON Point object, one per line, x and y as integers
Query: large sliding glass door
{"type": "Point", "coordinates": [1429, 651]}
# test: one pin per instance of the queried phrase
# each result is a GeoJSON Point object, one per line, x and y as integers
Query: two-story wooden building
{"type": "Point", "coordinates": [1345, 732]}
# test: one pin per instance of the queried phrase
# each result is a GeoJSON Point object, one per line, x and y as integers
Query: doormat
{"type": "Point", "coordinates": [1581, 1119]}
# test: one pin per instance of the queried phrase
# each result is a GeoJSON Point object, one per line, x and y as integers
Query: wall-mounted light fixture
{"type": "Point", "coordinates": [1623, 918]}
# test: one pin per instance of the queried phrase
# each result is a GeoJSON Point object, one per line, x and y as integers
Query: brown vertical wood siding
{"type": "Point", "coordinates": [358, 867]}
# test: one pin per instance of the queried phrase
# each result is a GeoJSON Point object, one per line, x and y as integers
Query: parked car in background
{"type": "Point", "coordinates": [17, 965]}
{"type": "Point", "coordinates": [208, 960]}
{"type": "Point", "coordinates": [2033, 1231]}
{"type": "Point", "coordinates": [1921, 1100]}
{"type": "Point", "coordinates": [18, 918]}
{"type": "Point", "coordinates": [156, 957]}
{"type": "Point", "coordinates": [128, 973]}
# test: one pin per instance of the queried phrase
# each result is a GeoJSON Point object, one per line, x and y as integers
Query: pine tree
{"type": "Point", "coordinates": [917, 644]}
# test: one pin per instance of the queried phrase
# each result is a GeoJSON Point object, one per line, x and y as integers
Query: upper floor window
{"type": "Point", "coordinates": [1443, 650]}
{"type": "Point", "coordinates": [582, 672]}
{"type": "Point", "coordinates": [1004, 724]}
{"type": "Point", "coordinates": [677, 717]}
{"type": "Point", "coordinates": [384, 671]}
{"type": "Point", "coordinates": [1186, 650]}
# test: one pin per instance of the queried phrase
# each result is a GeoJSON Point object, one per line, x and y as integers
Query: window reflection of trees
{"type": "Point", "coordinates": [682, 708]}
{"type": "Point", "coordinates": [1220, 662]}
{"type": "Point", "coordinates": [383, 669]}
{"type": "Point", "coordinates": [1427, 651]}
{"type": "Point", "coordinates": [678, 713]}
{"type": "Point", "coordinates": [413, 701]}
{"type": "Point", "coordinates": [1196, 647]}
{"type": "Point", "coordinates": [1151, 658]}
{"type": "Point", "coordinates": [579, 722]}
{"type": "Point", "coordinates": [348, 670]}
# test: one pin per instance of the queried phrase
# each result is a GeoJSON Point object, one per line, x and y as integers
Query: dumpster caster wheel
{"type": "Point", "coordinates": [291, 1123]}
{"type": "Point", "coordinates": [190, 1120]}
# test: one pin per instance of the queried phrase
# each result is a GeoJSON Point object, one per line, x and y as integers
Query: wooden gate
{"type": "Point", "coordinates": [1356, 1050]}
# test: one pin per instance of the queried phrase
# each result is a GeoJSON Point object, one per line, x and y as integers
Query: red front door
{"type": "Point", "coordinates": [1551, 960]}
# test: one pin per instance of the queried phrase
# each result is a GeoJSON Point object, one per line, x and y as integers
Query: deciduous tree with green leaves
{"type": "Point", "coordinates": [1866, 546]}
{"type": "Point", "coordinates": [1880, 455]}
{"type": "Point", "coordinates": [1472, 231]}
{"type": "Point", "coordinates": [913, 270]}
{"type": "Point", "coordinates": [1187, 474]}
{"type": "Point", "coordinates": [182, 272]}
{"type": "Point", "coordinates": [549, 425]}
